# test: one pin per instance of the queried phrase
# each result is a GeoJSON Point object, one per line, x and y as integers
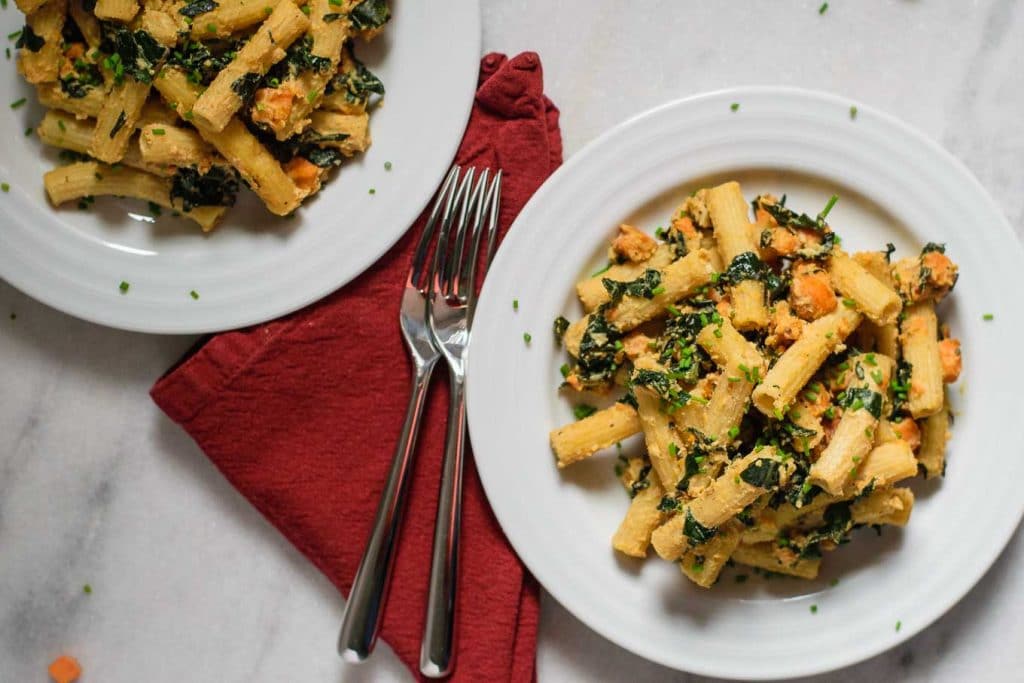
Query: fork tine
{"type": "Point", "coordinates": [466, 211]}
{"type": "Point", "coordinates": [494, 215]}
{"type": "Point", "coordinates": [469, 245]}
{"type": "Point", "coordinates": [438, 271]}
{"type": "Point", "coordinates": [455, 222]}
{"type": "Point", "coordinates": [479, 228]}
{"type": "Point", "coordinates": [419, 258]}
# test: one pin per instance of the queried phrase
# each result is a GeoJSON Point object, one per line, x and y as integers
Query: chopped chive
{"type": "Point", "coordinates": [194, 294]}
{"type": "Point", "coordinates": [869, 358]}
{"type": "Point", "coordinates": [734, 432]}
{"type": "Point", "coordinates": [834, 582]}
{"type": "Point", "coordinates": [849, 303]}
{"type": "Point", "coordinates": [387, 165]}
{"type": "Point", "coordinates": [733, 379]}
{"type": "Point", "coordinates": [853, 113]}
{"type": "Point", "coordinates": [268, 10]}
{"type": "Point", "coordinates": [311, 96]}
{"type": "Point", "coordinates": [211, 28]}
{"type": "Point", "coordinates": [6, 187]}
{"type": "Point", "coordinates": [988, 316]}
{"type": "Point", "coordinates": [527, 337]}
{"type": "Point", "coordinates": [735, 106]}
{"type": "Point", "coordinates": [373, 190]}
{"type": "Point", "coordinates": [158, 131]}
{"type": "Point", "coordinates": [29, 131]}
{"type": "Point", "coordinates": [17, 103]}
{"type": "Point", "coordinates": [814, 609]}
{"type": "Point", "coordinates": [12, 36]}
{"type": "Point", "coordinates": [673, 450]}
{"type": "Point", "coordinates": [123, 287]}
{"type": "Point", "coordinates": [660, 289]}
{"type": "Point", "coordinates": [564, 370]}
{"type": "Point", "coordinates": [515, 304]}
{"type": "Point", "coordinates": [603, 270]}
{"type": "Point", "coordinates": [828, 207]}
{"type": "Point", "coordinates": [898, 625]}
{"type": "Point", "coordinates": [87, 589]}
{"type": "Point", "coordinates": [823, 8]}
{"type": "Point", "coordinates": [305, 10]}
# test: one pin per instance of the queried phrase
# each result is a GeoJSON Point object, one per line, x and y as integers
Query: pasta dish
{"type": "Point", "coordinates": [783, 387]}
{"type": "Point", "coordinates": [179, 103]}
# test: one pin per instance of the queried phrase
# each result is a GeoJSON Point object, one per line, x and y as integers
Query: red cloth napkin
{"type": "Point", "coordinates": [302, 414]}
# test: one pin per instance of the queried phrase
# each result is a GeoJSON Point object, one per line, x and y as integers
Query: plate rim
{"type": "Point", "coordinates": [145, 317]}
{"type": "Point", "coordinates": [1002, 535]}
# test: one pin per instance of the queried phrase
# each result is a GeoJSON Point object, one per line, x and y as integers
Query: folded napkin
{"type": "Point", "coordinates": [302, 414]}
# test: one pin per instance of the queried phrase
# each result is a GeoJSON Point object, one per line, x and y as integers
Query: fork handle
{"type": "Point", "coordinates": [437, 647]}
{"type": "Point", "coordinates": [360, 623]}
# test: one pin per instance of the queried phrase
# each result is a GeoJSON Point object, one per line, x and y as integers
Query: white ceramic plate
{"type": "Point", "coordinates": [255, 266]}
{"type": "Point", "coordinates": [896, 186]}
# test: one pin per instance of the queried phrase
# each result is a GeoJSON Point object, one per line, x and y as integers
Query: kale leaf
{"type": "Point", "coordinates": [357, 83]}
{"type": "Point", "coordinates": [644, 286]}
{"type": "Point", "coordinates": [763, 473]}
{"type": "Point", "coordinates": [197, 7]}
{"type": "Point", "coordinates": [370, 14]}
{"type": "Point", "coordinates": [217, 187]}
{"type": "Point", "coordinates": [695, 531]}
{"type": "Point", "coordinates": [30, 40]}
{"type": "Point", "coordinates": [856, 398]}
{"type": "Point", "coordinates": [245, 86]}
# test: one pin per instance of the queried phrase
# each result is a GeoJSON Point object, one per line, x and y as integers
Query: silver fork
{"type": "Point", "coordinates": [360, 623]}
{"type": "Point", "coordinates": [450, 306]}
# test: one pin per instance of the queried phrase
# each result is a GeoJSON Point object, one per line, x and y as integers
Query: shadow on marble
{"type": "Point", "coordinates": [917, 659]}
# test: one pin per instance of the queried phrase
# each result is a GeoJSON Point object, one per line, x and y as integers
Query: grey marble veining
{"type": "Point", "coordinates": [189, 583]}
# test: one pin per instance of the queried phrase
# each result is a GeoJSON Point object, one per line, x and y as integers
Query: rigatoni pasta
{"type": "Point", "coordinates": [783, 388]}
{"type": "Point", "coordinates": [207, 83]}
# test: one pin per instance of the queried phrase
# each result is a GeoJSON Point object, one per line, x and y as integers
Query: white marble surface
{"type": "Point", "coordinates": [191, 584]}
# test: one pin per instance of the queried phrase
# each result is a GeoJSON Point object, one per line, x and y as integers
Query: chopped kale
{"type": "Point", "coordinates": [670, 504]}
{"type": "Point", "coordinates": [932, 246]}
{"type": "Point", "coordinates": [889, 249]}
{"type": "Point", "coordinates": [763, 473]}
{"type": "Point", "coordinates": [217, 187]}
{"type": "Point", "coordinates": [747, 266]}
{"type": "Point", "coordinates": [118, 124]}
{"type": "Point", "coordinates": [29, 40]}
{"type": "Point", "coordinates": [645, 286]}
{"type": "Point", "coordinates": [900, 385]}
{"type": "Point", "coordinates": [857, 398]}
{"type": "Point", "coordinates": [245, 86]}
{"type": "Point", "coordinates": [298, 58]}
{"type": "Point", "coordinates": [598, 351]}
{"type": "Point", "coordinates": [132, 53]}
{"type": "Point", "coordinates": [695, 531]}
{"type": "Point", "coordinates": [85, 77]}
{"type": "Point", "coordinates": [663, 385]}
{"type": "Point", "coordinates": [357, 83]}
{"type": "Point", "coordinates": [559, 327]}
{"type": "Point", "coordinates": [324, 157]}
{"type": "Point", "coordinates": [838, 522]}
{"type": "Point", "coordinates": [370, 14]}
{"type": "Point", "coordinates": [197, 61]}
{"type": "Point", "coordinates": [197, 7]}
{"type": "Point", "coordinates": [642, 482]}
